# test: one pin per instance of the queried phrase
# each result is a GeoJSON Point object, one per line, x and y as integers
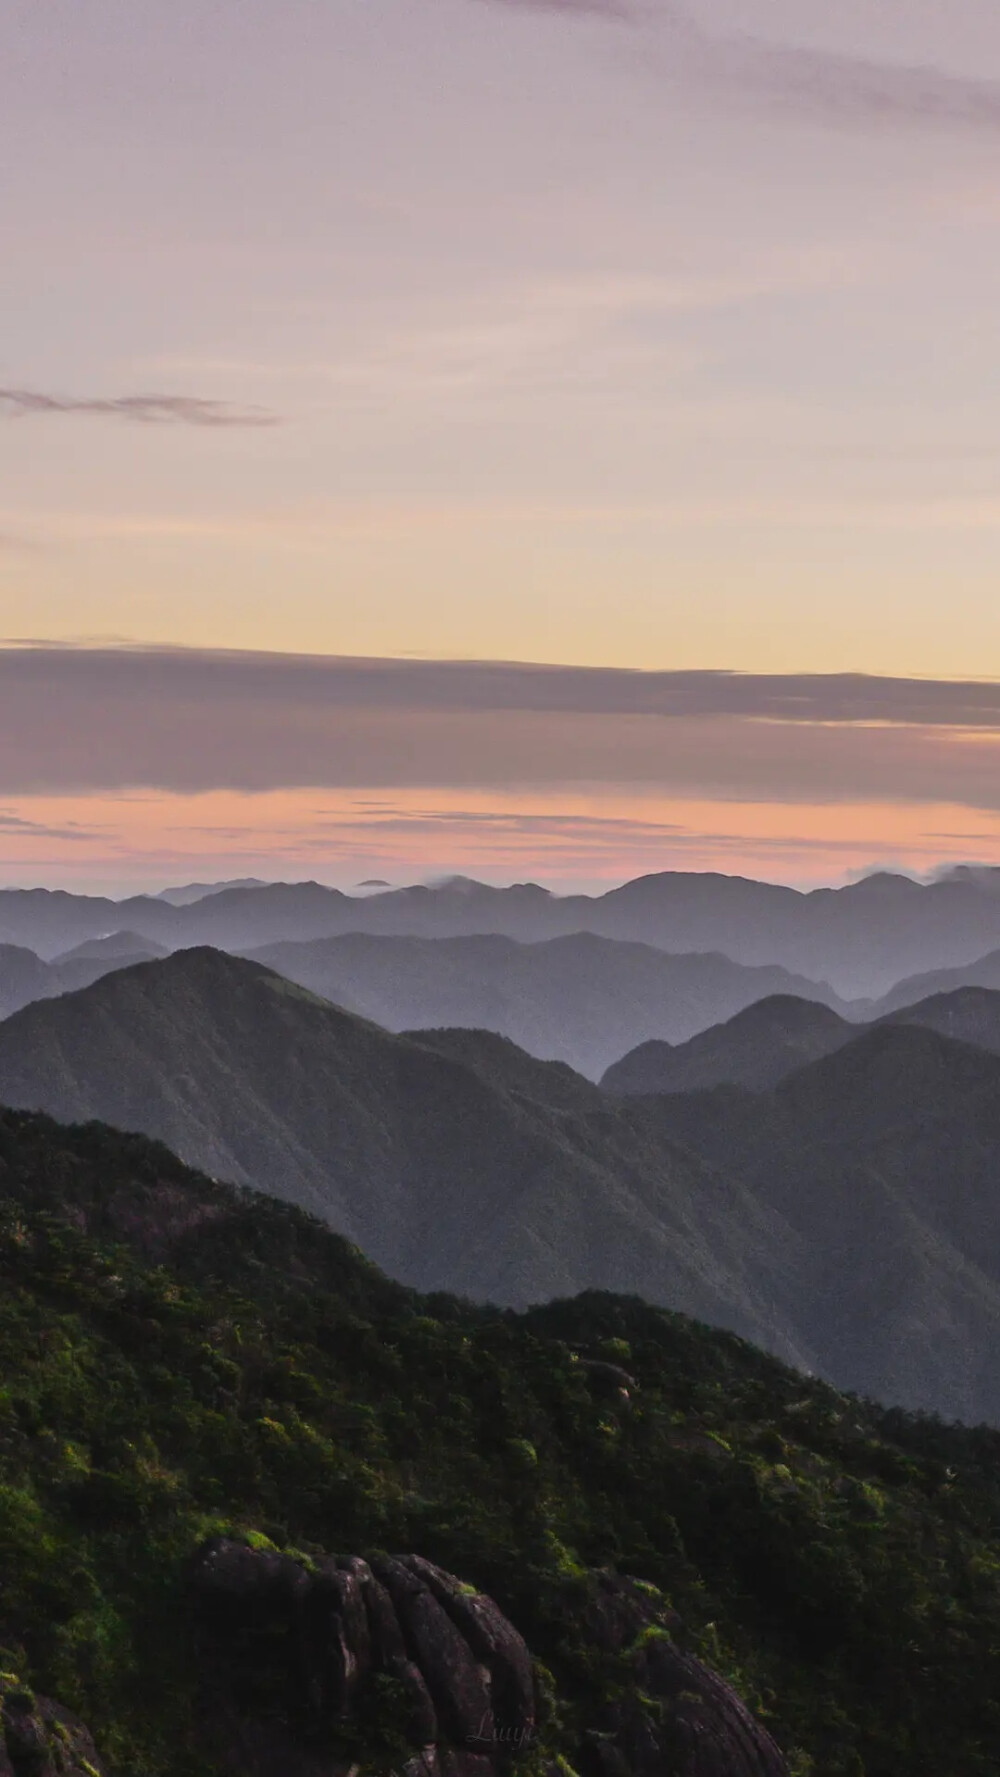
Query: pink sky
{"type": "Point", "coordinates": [633, 336]}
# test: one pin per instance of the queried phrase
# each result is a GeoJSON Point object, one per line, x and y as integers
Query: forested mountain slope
{"type": "Point", "coordinates": [180, 1363]}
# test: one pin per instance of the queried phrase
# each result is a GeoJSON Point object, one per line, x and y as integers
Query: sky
{"type": "Point", "coordinates": [540, 440]}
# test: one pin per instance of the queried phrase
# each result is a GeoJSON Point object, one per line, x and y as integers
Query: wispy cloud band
{"type": "Point", "coordinates": [837, 87]}
{"type": "Point", "coordinates": [615, 9]}
{"type": "Point", "coordinates": [183, 410]}
{"type": "Point", "coordinates": [383, 685]}
{"type": "Point", "coordinates": [86, 719]}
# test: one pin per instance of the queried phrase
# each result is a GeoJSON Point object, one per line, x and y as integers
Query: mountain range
{"type": "Point", "coordinates": [862, 939]}
{"type": "Point", "coordinates": [984, 972]}
{"type": "Point", "coordinates": [882, 1159]}
{"type": "Point", "coordinates": [457, 1163]}
{"type": "Point", "coordinates": [766, 1041]}
{"type": "Point", "coordinates": [843, 1219]}
{"type": "Point", "coordinates": [25, 977]}
{"type": "Point", "coordinates": [579, 999]}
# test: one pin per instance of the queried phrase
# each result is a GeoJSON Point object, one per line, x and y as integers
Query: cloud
{"type": "Point", "coordinates": [616, 9]}
{"type": "Point", "coordinates": [606, 834]}
{"type": "Point", "coordinates": [504, 822]}
{"type": "Point", "coordinates": [183, 410]}
{"type": "Point", "coordinates": [330, 683]}
{"type": "Point", "coordinates": [839, 87]}
{"type": "Point", "coordinates": [78, 720]}
{"type": "Point", "coordinates": [14, 826]}
{"type": "Point", "coordinates": [821, 83]}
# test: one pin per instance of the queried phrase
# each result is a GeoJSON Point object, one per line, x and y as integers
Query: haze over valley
{"type": "Point", "coordinates": [570, 1113]}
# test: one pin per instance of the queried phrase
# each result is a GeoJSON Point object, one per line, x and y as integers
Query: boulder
{"type": "Point", "coordinates": [706, 1730]}
{"type": "Point", "coordinates": [312, 1669]}
{"type": "Point", "coordinates": [457, 1681]}
{"type": "Point", "coordinates": [41, 1739]}
{"type": "Point", "coordinates": [699, 1727]}
{"type": "Point", "coordinates": [494, 1641]}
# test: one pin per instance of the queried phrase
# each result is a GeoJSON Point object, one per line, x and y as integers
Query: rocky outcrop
{"type": "Point", "coordinates": [313, 1667]}
{"type": "Point", "coordinates": [697, 1725]}
{"type": "Point", "coordinates": [306, 1663]}
{"type": "Point", "coordinates": [705, 1730]}
{"type": "Point", "coordinates": [40, 1738]}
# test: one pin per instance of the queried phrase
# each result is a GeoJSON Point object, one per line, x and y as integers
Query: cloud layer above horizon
{"type": "Point", "coordinates": [85, 720]}
{"type": "Point", "coordinates": [388, 346]}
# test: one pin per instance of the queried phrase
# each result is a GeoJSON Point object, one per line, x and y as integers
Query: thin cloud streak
{"type": "Point", "coordinates": [184, 410]}
{"type": "Point", "coordinates": [16, 827]}
{"type": "Point", "coordinates": [613, 9]}
{"type": "Point", "coordinates": [841, 88]}
{"type": "Point", "coordinates": [820, 83]}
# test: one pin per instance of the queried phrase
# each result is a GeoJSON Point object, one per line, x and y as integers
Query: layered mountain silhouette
{"type": "Point", "coordinates": [115, 947]}
{"type": "Point", "coordinates": [845, 1219]}
{"type": "Point", "coordinates": [24, 977]}
{"type": "Point", "coordinates": [580, 999]}
{"type": "Point", "coordinates": [761, 1045]}
{"type": "Point", "coordinates": [185, 894]}
{"type": "Point", "coordinates": [453, 1165]}
{"type": "Point", "coordinates": [882, 1158]}
{"type": "Point", "coordinates": [862, 938]}
{"type": "Point", "coordinates": [984, 972]}
{"type": "Point", "coordinates": [969, 1014]}
{"type": "Point", "coordinates": [756, 1049]}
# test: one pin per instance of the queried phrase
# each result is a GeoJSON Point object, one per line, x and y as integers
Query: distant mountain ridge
{"type": "Point", "coordinates": [846, 1219]}
{"type": "Point", "coordinates": [189, 892]}
{"type": "Point", "coordinates": [771, 1039]}
{"type": "Point", "coordinates": [862, 938]}
{"type": "Point", "coordinates": [883, 1159]}
{"type": "Point", "coordinates": [984, 972]}
{"type": "Point", "coordinates": [579, 999]}
{"type": "Point", "coordinates": [114, 947]}
{"type": "Point", "coordinates": [756, 1048]}
{"type": "Point", "coordinates": [24, 977]}
{"type": "Point", "coordinates": [445, 1168]}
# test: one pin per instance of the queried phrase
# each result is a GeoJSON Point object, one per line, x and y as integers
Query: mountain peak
{"type": "Point", "coordinates": [755, 1048]}
{"type": "Point", "coordinates": [191, 892]}
{"type": "Point", "coordinates": [883, 883]}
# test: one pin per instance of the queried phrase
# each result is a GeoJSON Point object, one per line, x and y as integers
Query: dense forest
{"type": "Point", "coordinates": [180, 1361]}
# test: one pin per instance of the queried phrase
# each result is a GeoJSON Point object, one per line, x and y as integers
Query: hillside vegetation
{"type": "Point", "coordinates": [440, 1162]}
{"type": "Point", "coordinates": [179, 1361]}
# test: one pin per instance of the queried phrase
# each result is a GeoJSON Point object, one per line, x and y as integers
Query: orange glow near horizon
{"type": "Point", "coordinates": [122, 844]}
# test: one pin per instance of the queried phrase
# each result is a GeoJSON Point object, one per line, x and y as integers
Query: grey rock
{"type": "Point", "coordinates": [41, 1739]}
{"type": "Point", "coordinates": [402, 1650]}
{"type": "Point", "coordinates": [457, 1681]}
{"type": "Point", "coordinates": [495, 1642]}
